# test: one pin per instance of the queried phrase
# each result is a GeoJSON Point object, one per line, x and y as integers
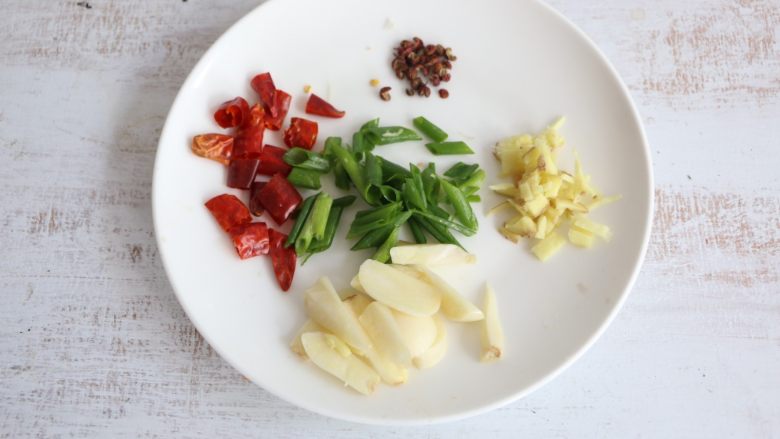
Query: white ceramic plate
{"type": "Point", "coordinates": [520, 66]}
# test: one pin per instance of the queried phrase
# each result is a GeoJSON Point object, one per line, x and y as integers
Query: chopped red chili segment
{"type": "Point", "coordinates": [229, 211]}
{"type": "Point", "coordinates": [263, 84]}
{"type": "Point", "coordinates": [232, 113]}
{"type": "Point", "coordinates": [250, 240]}
{"type": "Point", "coordinates": [279, 198]}
{"type": "Point", "coordinates": [249, 137]}
{"type": "Point", "coordinates": [317, 105]}
{"type": "Point", "coordinates": [272, 161]}
{"type": "Point", "coordinates": [241, 172]}
{"type": "Point", "coordinates": [301, 133]}
{"type": "Point", "coordinates": [283, 259]}
{"type": "Point", "coordinates": [217, 147]}
{"type": "Point", "coordinates": [255, 206]}
{"type": "Point", "coordinates": [277, 111]}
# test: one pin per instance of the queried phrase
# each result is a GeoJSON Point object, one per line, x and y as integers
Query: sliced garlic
{"type": "Point", "coordinates": [431, 254]}
{"type": "Point", "coordinates": [324, 307]}
{"type": "Point", "coordinates": [492, 333]}
{"type": "Point", "coordinates": [327, 352]}
{"type": "Point", "coordinates": [436, 352]}
{"type": "Point", "coordinates": [398, 290]}
{"type": "Point", "coordinates": [378, 321]}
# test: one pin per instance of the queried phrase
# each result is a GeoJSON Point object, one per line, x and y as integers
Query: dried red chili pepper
{"type": "Point", "coordinates": [217, 147]}
{"type": "Point", "coordinates": [249, 137]}
{"type": "Point", "coordinates": [232, 113]}
{"type": "Point", "coordinates": [250, 240]}
{"type": "Point", "coordinates": [317, 105]}
{"type": "Point", "coordinates": [241, 172]}
{"type": "Point", "coordinates": [255, 206]}
{"type": "Point", "coordinates": [301, 133]}
{"type": "Point", "coordinates": [264, 86]}
{"type": "Point", "coordinates": [272, 161]}
{"type": "Point", "coordinates": [284, 259]}
{"type": "Point", "coordinates": [277, 111]}
{"type": "Point", "coordinates": [229, 211]}
{"type": "Point", "coordinates": [279, 198]}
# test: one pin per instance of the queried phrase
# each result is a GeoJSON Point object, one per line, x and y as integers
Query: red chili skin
{"type": "Point", "coordinates": [255, 206]}
{"type": "Point", "coordinates": [272, 161]}
{"type": "Point", "coordinates": [217, 147]}
{"type": "Point", "coordinates": [249, 137]}
{"type": "Point", "coordinates": [229, 211]}
{"type": "Point", "coordinates": [232, 113]}
{"type": "Point", "coordinates": [301, 133]}
{"type": "Point", "coordinates": [284, 259]}
{"type": "Point", "coordinates": [279, 198]}
{"type": "Point", "coordinates": [241, 172]}
{"type": "Point", "coordinates": [264, 86]}
{"type": "Point", "coordinates": [277, 111]}
{"type": "Point", "coordinates": [317, 105]}
{"type": "Point", "coordinates": [250, 240]}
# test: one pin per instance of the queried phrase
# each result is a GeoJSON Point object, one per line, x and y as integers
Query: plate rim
{"type": "Point", "coordinates": [460, 415]}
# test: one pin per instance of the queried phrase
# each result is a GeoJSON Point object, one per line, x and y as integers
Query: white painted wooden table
{"type": "Point", "coordinates": [94, 344]}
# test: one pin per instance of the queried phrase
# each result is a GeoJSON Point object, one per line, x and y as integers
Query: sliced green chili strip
{"type": "Point", "coordinates": [305, 159]}
{"type": "Point", "coordinates": [368, 220]}
{"type": "Point", "coordinates": [390, 194]}
{"type": "Point", "coordinates": [388, 135]}
{"type": "Point", "coordinates": [392, 172]}
{"type": "Point", "coordinates": [429, 129]}
{"type": "Point", "coordinates": [383, 252]}
{"type": "Point", "coordinates": [447, 223]}
{"type": "Point", "coordinates": [374, 238]}
{"type": "Point", "coordinates": [305, 178]}
{"type": "Point", "coordinates": [417, 231]}
{"type": "Point", "coordinates": [351, 167]}
{"type": "Point", "coordinates": [303, 213]}
{"type": "Point", "coordinates": [462, 208]}
{"type": "Point", "coordinates": [439, 232]}
{"type": "Point", "coordinates": [430, 183]}
{"type": "Point", "coordinates": [449, 148]}
{"type": "Point", "coordinates": [413, 197]}
{"type": "Point", "coordinates": [475, 180]}
{"type": "Point", "coordinates": [314, 227]}
{"type": "Point", "coordinates": [460, 172]}
{"type": "Point", "coordinates": [344, 202]}
{"type": "Point", "coordinates": [373, 123]}
{"type": "Point", "coordinates": [373, 167]}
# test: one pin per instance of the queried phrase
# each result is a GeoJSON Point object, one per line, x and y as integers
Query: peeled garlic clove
{"type": "Point", "coordinates": [296, 345]}
{"type": "Point", "coordinates": [436, 352]}
{"type": "Point", "coordinates": [358, 303]}
{"type": "Point", "coordinates": [390, 372]}
{"type": "Point", "coordinates": [418, 333]}
{"type": "Point", "coordinates": [398, 290]}
{"type": "Point", "coordinates": [327, 352]}
{"type": "Point", "coordinates": [355, 284]}
{"type": "Point", "coordinates": [454, 306]}
{"type": "Point", "coordinates": [492, 333]}
{"type": "Point", "coordinates": [378, 321]}
{"type": "Point", "coordinates": [431, 254]}
{"type": "Point", "coordinates": [324, 307]}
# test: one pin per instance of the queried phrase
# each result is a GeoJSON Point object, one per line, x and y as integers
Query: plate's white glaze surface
{"type": "Point", "coordinates": [520, 66]}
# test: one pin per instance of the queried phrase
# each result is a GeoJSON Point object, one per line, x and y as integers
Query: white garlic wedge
{"type": "Point", "coordinates": [358, 303]}
{"type": "Point", "coordinates": [308, 326]}
{"type": "Point", "coordinates": [378, 321]}
{"type": "Point", "coordinates": [436, 352]}
{"type": "Point", "coordinates": [431, 255]}
{"type": "Point", "coordinates": [398, 290]}
{"type": "Point", "coordinates": [324, 307]}
{"type": "Point", "coordinates": [492, 333]}
{"type": "Point", "coordinates": [418, 333]}
{"type": "Point", "coordinates": [453, 305]}
{"type": "Point", "coordinates": [332, 355]}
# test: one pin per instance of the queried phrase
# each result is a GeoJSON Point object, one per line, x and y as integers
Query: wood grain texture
{"type": "Point", "coordinates": [94, 344]}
